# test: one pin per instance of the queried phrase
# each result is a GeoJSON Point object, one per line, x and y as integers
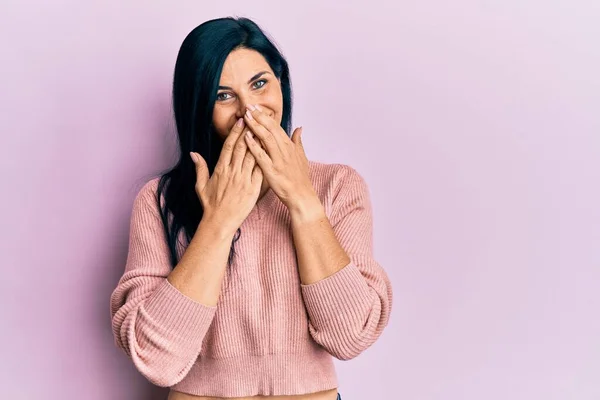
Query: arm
{"type": "Point", "coordinates": [160, 316]}
{"type": "Point", "coordinates": [347, 294]}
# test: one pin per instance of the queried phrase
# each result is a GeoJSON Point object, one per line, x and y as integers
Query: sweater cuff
{"type": "Point", "coordinates": [174, 312]}
{"type": "Point", "coordinates": [343, 297]}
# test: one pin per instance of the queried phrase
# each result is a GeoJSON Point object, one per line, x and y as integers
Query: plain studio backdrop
{"type": "Point", "coordinates": [475, 123]}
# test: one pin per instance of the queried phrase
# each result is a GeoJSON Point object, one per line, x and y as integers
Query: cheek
{"type": "Point", "coordinates": [220, 121]}
{"type": "Point", "coordinates": [276, 101]}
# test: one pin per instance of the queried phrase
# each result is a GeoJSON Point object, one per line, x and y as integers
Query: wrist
{"type": "Point", "coordinates": [217, 227]}
{"type": "Point", "coordinates": [307, 209]}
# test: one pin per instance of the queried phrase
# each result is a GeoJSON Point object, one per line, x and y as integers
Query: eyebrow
{"type": "Point", "coordinates": [255, 77]}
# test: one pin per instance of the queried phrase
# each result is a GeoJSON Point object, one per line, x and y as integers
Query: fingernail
{"type": "Point", "coordinates": [249, 115]}
{"type": "Point", "coordinates": [240, 122]}
{"type": "Point", "coordinates": [193, 156]}
{"type": "Point", "coordinates": [258, 107]}
{"type": "Point", "coordinates": [251, 107]}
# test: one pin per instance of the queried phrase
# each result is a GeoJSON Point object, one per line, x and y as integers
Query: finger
{"type": "Point", "coordinates": [261, 156]}
{"type": "Point", "coordinates": [248, 163]}
{"type": "Point", "coordinates": [299, 132]}
{"type": "Point", "coordinates": [266, 121]}
{"type": "Point", "coordinates": [296, 136]}
{"type": "Point", "coordinates": [239, 152]}
{"type": "Point", "coordinates": [265, 136]}
{"type": "Point", "coordinates": [229, 144]}
{"type": "Point", "coordinates": [202, 175]}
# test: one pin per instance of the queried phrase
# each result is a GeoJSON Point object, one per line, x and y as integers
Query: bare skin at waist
{"type": "Point", "coordinates": [324, 395]}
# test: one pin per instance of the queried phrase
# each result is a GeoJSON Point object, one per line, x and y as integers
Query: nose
{"type": "Point", "coordinates": [244, 100]}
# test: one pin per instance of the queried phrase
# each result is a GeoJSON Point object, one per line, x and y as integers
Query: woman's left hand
{"type": "Point", "coordinates": [283, 161]}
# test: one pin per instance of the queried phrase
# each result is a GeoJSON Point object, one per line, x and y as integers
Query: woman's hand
{"type": "Point", "coordinates": [283, 161]}
{"type": "Point", "coordinates": [231, 192]}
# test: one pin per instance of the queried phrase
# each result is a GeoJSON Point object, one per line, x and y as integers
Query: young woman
{"type": "Point", "coordinates": [249, 266]}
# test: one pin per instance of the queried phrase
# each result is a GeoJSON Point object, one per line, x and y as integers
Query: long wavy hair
{"type": "Point", "coordinates": [195, 85]}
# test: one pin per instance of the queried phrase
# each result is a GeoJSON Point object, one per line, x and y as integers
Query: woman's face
{"type": "Point", "coordinates": [246, 79]}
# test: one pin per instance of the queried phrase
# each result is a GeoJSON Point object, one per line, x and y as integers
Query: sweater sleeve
{"type": "Point", "coordinates": [155, 324]}
{"type": "Point", "coordinates": [349, 309]}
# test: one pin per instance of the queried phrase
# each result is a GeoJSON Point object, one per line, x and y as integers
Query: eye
{"type": "Point", "coordinates": [220, 96]}
{"type": "Point", "coordinates": [263, 81]}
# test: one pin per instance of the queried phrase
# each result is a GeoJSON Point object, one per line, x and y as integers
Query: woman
{"type": "Point", "coordinates": [255, 269]}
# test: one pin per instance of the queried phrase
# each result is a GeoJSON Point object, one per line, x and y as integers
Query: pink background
{"type": "Point", "coordinates": [475, 123]}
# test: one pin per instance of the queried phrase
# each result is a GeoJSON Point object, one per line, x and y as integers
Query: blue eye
{"type": "Point", "coordinates": [222, 94]}
{"type": "Point", "coordinates": [264, 82]}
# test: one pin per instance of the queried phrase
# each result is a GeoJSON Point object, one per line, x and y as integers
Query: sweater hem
{"type": "Point", "coordinates": [264, 375]}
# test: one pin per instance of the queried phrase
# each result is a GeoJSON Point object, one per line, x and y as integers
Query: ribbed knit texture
{"type": "Point", "coordinates": [269, 334]}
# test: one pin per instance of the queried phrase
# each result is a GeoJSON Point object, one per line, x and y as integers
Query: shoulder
{"type": "Point", "coordinates": [145, 197]}
{"type": "Point", "coordinates": [341, 189]}
{"type": "Point", "coordinates": [335, 177]}
{"type": "Point", "coordinates": [148, 189]}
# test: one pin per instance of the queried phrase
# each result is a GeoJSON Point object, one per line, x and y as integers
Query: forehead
{"type": "Point", "coordinates": [241, 65]}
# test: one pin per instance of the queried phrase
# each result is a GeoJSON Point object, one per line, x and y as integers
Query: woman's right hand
{"type": "Point", "coordinates": [231, 192]}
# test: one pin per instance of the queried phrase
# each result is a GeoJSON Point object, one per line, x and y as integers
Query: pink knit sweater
{"type": "Point", "coordinates": [269, 334]}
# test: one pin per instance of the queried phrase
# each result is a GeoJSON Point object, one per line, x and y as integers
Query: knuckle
{"type": "Point", "coordinates": [228, 145]}
{"type": "Point", "coordinates": [239, 145]}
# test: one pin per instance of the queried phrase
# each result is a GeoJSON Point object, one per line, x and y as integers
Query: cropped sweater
{"type": "Point", "coordinates": [269, 334]}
